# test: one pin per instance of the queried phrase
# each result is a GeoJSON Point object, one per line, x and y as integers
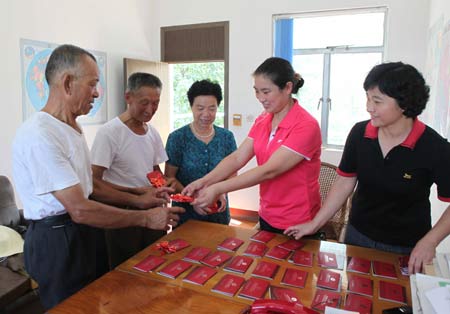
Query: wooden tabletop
{"type": "Point", "coordinates": [127, 290]}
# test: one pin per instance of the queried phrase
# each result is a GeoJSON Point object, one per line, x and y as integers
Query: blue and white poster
{"type": "Point", "coordinates": [34, 56]}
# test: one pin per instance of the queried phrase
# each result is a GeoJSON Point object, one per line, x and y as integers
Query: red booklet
{"type": "Point", "coordinates": [329, 279]}
{"type": "Point", "coordinates": [302, 258]}
{"type": "Point", "coordinates": [360, 285]}
{"type": "Point", "coordinates": [178, 244]}
{"type": "Point", "coordinates": [216, 259]}
{"type": "Point", "coordinates": [390, 291]}
{"type": "Point", "coordinates": [384, 269]}
{"type": "Point", "coordinates": [358, 265]}
{"type": "Point", "coordinates": [266, 270]}
{"type": "Point", "coordinates": [285, 294]}
{"type": "Point", "coordinates": [263, 236]}
{"type": "Point", "coordinates": [357, 303]}
{"type": "Point", "coordinates": [156, 179]}
{"type": "Point", "coordinates": [278, 253]}
{"type": "Point", "coordinates": [200, 275]}
{"type": "Point", "coordinates": [174, 269]}
{"type": "Point", "coordinates": [294, 277]}
{"type": "Point", "coordinates": [230, 244]}
{"type": "Point", "coordinates": [291, 245]}
{"type": "Point", "coordinates": [239, 264]}
{"type": "Point", "coordinates": [256, 249]}
{"type": "Point", "coordinates": [197, 254]}
{"type": "Point", "coordinates": [228, 285]}
{"type": "Point", "coordinates": [254, 289]}
{"type": "Point", "coordinates": [149, 263]}
{"type": "Point", "coordinates": [327, 260]}
{"type": "Point", "coordinates": [324, 298]}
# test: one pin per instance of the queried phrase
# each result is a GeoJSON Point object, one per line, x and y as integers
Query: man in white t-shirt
{"type": "Point", "coordinates": [125, 149]}
{"type": "Point", "coordinates": [51, 169]}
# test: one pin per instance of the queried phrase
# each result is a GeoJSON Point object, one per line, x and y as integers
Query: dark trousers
{"type": "Point", "coordinates": [126, 242]}
{"type": "Point", "coordinates": [264, 225]}
{"type": "Point", "coordinates": [61, 256]}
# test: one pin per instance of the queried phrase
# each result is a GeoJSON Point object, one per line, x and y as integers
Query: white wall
{"type": "Point", "coordinates": [251, 43]}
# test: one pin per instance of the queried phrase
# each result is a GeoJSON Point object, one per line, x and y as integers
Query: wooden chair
{"type": "Point", "coordinates": [335, 227]}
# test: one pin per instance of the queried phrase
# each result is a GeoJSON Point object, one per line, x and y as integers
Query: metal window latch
{"type": "Point", "coordinates": [329, 103]}
{"type": "Point", "coordinates": [320, 101]}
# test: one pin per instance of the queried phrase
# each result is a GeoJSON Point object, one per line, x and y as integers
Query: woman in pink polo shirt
{"type": "Point", "coordinates": [286, 141]}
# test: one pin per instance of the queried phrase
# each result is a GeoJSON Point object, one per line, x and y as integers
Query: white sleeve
{"type": "Point", "coordinates": [103, 149]}
{"type": "Point", "coordinates": [160, 153]}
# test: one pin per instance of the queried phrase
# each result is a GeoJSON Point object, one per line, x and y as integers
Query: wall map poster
{"type": "Point", "coordinates": [34, 56]}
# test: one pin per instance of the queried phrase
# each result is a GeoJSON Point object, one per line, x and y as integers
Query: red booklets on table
{"type": "Point", "coordinates": [230, 244]}
{"type": "Point", "coordinates": [327, 260]}
{"type": "Point", "coordinates": [228, 285]}
{"type": "Point", "coordinates": [294, 277]}
{"type": "Point", "coordinates": [239, 264]}
{"type": "Point", "coordinates": [200, 275]}
{"type": "Point", "coordinates": [256, 249]}
{"type": "Point", "coordinates": [266, 270]}
{"type": "Point", "coordinates": [383, 269]}
{"type": "Point", "coordinates": [178, 244]}
{"type": "Point", "coordinates": [215, 259]}
{"type": "Point", "coordinates": [254, 289]}
{"type": "Point", "coordinates": [263, 236]}
{"type": "Point", "coordinates": [324, 298]}
{"type": "Point", "coordinates": [278, 253]}
{"type": "Point", "coordinates": [285, 294]}
{"type": "Point", "coordinates": [360, 285]}
{"type": "Point", "coordinates": [149, 263]}
{"type": "Point", "coordinates": [174, 269]}
{"type": "Point", "coordinates": [358, 304]}
{"type": "Point", "coordinates": [358, 265]}
{"type": "Point", "coordinates": [390, 291]}
{"type": "Point", "coordinates": [329, 279]}
{"type": "Point", "coordinates": [291, 245]}
{"type": "Point", "coordinates": [197, 254]}
{"type": "Point", "coordinates": [302, 258]}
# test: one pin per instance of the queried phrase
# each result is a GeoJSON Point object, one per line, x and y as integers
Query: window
{"type": "Point", "coordinates": [333, 51]}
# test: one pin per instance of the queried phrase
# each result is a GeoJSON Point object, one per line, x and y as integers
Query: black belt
{"type": "Point", "coordinates": [53, 220]}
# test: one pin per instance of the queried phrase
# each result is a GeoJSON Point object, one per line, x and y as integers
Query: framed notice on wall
{"type": "Point", "coordinates": [34, 56]}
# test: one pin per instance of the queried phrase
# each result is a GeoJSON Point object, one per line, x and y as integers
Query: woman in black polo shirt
{"type": "Point", "coordinates": [395, 159]}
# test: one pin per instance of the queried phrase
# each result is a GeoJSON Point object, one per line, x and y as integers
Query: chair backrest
{"type": "Point", "coordinates": [9, 213]}
{"type": "Point", "coordinates": [335, 227]}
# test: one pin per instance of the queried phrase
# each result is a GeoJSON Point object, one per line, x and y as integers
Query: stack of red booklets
{"type": "Point", "coordinates": [327, 260]}
{"type": "Point", "coordinates": [257, 249]}
{"type": "Point", "coordinates": [174, 269]}
{"type": "Point", "coordinates": [384, 269]}
{"type": "Point", "coordinates": [358, 265]}
{"type": "Point", "coordinates": [230, 244]}
{"type": "Point", "coordinates": [215, 259]}
{"type": "Point", "coordinates": [358, 304]}
{"type": "Point", "coordinates": [278, 253]}
{"type": "Point", "coordinates": [390, 291]}
{"type": "Point", "coordinates": [291, 245]}
{"type": "Point", "coordinates": [239, 264]}
{"type": "Point", "coordinates": [294, 277]}
{"type": "Point", "coordinates": [254, 289]}
{"type": "Point", "coordinates": [228, 285]}
{"type": "Point", "coordinates": [324, 298]}
{"type": "Point", "coordinates": [149, 263]}
{"type": "Point", "coordinates": [329, 279]}
{"type": "Point", "coordinates": [360, 285]}
{"type": "Point", "coordinates": [197, 254]}
{"type": "Point", "coordinates": [200, 275]}
{"type": "Point", "coordinates": [263, 236]}
{"type": "Point", "coordinates": [285, 294]}
{"type": "Point", "coordinates": [302, 258]}
{"type": "Point", "coordinates": [266, 270]}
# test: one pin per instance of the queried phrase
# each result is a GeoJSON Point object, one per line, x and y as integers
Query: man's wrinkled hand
{"type": "Point", "coordinates": [161, 218]}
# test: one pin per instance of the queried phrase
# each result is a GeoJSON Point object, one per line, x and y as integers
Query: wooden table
{"type": "Point", "coordinates": [127, 290]}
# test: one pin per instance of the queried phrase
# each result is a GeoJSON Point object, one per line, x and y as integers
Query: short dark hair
{"type": "Point", "coordinates": [204, 88]}
{"type": "Point", "coordinates": [140, 79]}
{"type": "Point", "coordinates": [403, 83]}
{"type": "Point", "coordinates": [64, 57]}
{"type": "Point", "coordinates": [280, 71]}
